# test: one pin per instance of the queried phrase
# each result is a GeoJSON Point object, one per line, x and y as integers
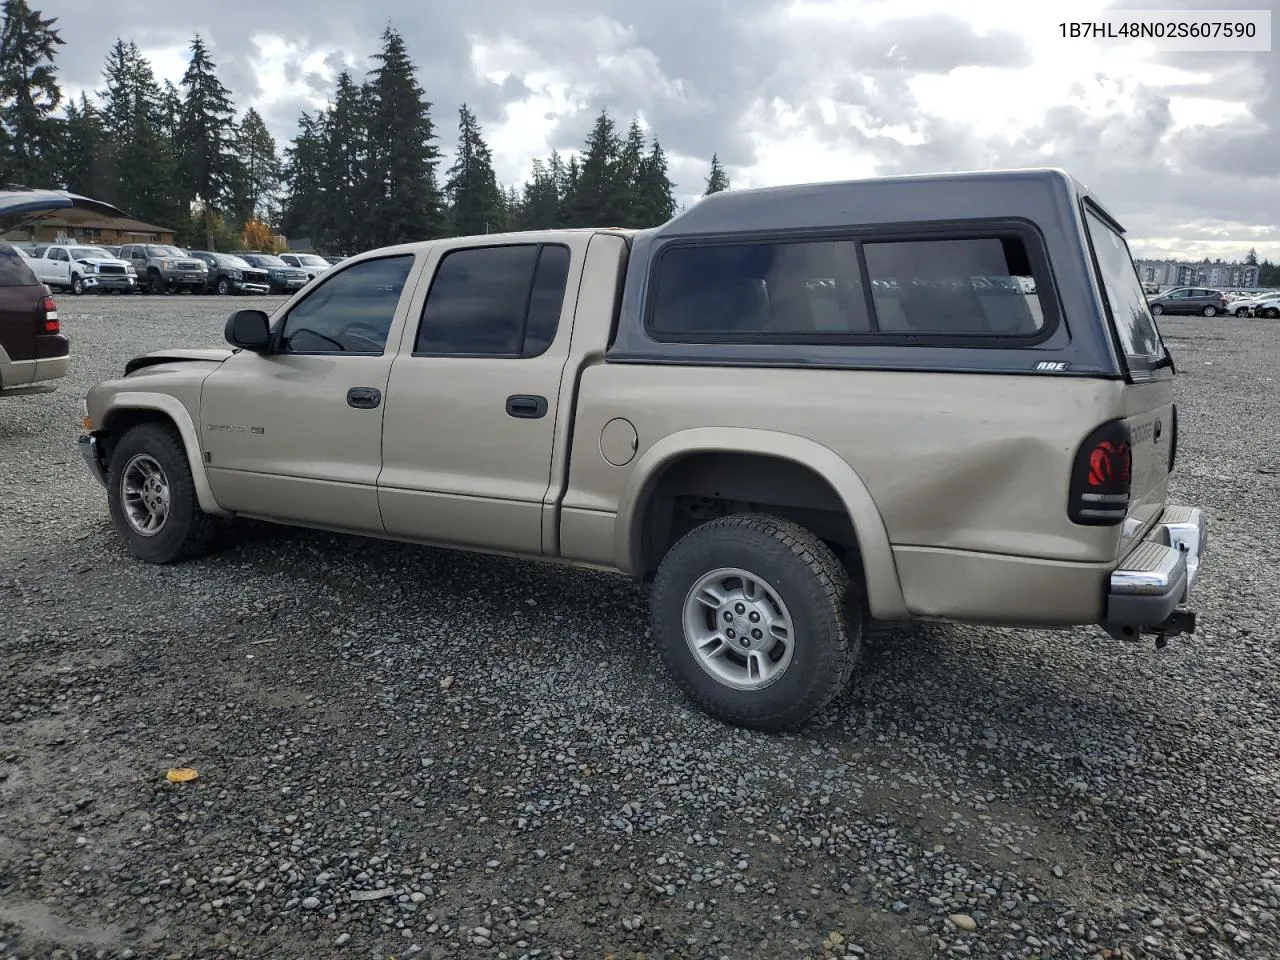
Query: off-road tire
{"type": "Point", "coordinates": [188, 532]}
{"type": "Point", "coordinates": [825, 606]}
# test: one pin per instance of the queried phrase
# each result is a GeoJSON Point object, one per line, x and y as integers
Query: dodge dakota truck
{"type": "Point", "coordinates": [791, 412]}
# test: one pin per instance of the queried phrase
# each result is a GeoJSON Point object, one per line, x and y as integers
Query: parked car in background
{"type": "Point", "coordinates": [83, 269]}
{"type": "Point", "coordinates": [34, 352]}
{"type": "Point", "coordinates": [1189, 300]}
{"type": "Point", "coordinates": [1268, 309]}
{"type": "Point", "coordinates": [1243, 306]}
{"type": "Point", "coordinates": [231, 274]}
{"type": "Point", "coordinates": [334, 260]}
{"type": "Point", "coordinates": [281, 277]}
{"type": "Point", "coordinates": [309, 262]}
{"type": "Point", "coordinates": [163, 268]}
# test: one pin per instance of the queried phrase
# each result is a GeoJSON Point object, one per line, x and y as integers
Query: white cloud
{"type": "Point", "coordinates": [1182, 148]}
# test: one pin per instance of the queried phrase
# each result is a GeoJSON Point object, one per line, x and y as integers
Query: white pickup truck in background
{"type": "Point", "coordinates": [81, 268]}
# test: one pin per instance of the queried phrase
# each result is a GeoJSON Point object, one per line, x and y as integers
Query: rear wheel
{"type": "Point", "coordinates": [1242, 312]}
{"type": "Point", "coordinates": [152, 497]}
{"type": "Point", "coordinates": [1210, 311]}
{"type": "Point", "coordinates": [1271, 313]}
{"type": "Point", "coordinates": [1157, 309]}
{"type": "Point", "coordinates": [752, 616]}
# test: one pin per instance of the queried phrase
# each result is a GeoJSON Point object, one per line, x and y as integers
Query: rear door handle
{"type": "Point", "coordinates": [364, 398]}
{"type": "Point", "coordinates": [527, 407]}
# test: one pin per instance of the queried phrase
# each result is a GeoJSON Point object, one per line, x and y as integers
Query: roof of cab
{"type": "Point", "coordinates": [881, 200]}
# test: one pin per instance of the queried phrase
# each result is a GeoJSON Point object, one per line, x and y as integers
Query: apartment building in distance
{"type": "Point", "coordinates": [1161, 275]}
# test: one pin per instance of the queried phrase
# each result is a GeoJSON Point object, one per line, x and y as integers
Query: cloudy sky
{"type": "Point", "coordinates": [1185, 148]}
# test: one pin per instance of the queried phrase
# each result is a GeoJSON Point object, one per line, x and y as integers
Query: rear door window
{"type": "Point", "coordinates": [14, 271]}
{"type": "Point", "coordinates": [1136, 330]}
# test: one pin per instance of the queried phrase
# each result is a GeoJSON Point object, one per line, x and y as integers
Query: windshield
{"type": "Point", "coordinates": [89, 253]}
{"type": "Point", "coordinates": [164, 252]}
{"type": "Point", "coordinates": [263, 260]}
{"type": "Point", "coordinates": [1138, 333]}
{"type": "Point", "coordinates": [226, 260]}
{"type": "Point", "coordinates": [311, 260]}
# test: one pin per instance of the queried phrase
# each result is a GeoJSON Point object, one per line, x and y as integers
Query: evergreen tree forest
{"type": "Point", "coordinates": [365, 171]}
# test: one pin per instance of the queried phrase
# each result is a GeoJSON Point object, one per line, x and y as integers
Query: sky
{"type": "Point", "coordinates": [1183, 147]}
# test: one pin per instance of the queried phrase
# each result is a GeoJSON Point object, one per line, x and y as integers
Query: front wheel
{"type": "Point", "coordinates": [152, 497]}
{"type": "Point", "coordinates": [77, 284]}
{"type": "Point", "coordinates": [224, 287]}
{"type": "Point", "coordinates": [753, 617]}
{"type": "Point", "coordinates": [1156, 309]}
{"type": "Point", "coordinates": [1242, 312]}
{"type": "Point", "coordinates": [1271, 313]}
{"type": "Point", "coordinates": [157, 285]}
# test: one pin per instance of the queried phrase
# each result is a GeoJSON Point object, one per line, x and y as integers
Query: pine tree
{"type": "Point", "coordinates": [475, 202]}
{"type": "Point", "coordinates": [168, 118]}
{"type": "Point", "coordinates": [259, 174]}
{"type": "Point", "coordinates": [206, 126]}
{"type": "Point", "coordinates": [540, 201]}
{"type": "Point", "coordinates": [1251, 258]}
{"type": "Point", "coordinates": [598, 199]}
{"type": "Point", "coordinates": [403, 192]}
{"type": "Point", "coordinates": [630, 170]}
{"type": "Point", "coordinates": [30, 134]}
{"type": "Point", "coordinates": [342, 221]}
{"type": "Point", "coordinates": [718, 180]}
{"type": "Point", "coordinates": [654, 195]}
{"type": "Point", "coordinates": [303, 165]}
{"type": "Point", "coordinates": [81, 163]}
{"type": "Point", "coordinates": [140, 168]}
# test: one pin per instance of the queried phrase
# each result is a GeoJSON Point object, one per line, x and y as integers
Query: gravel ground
{"type": "Point", "coordinates": [410, 752]}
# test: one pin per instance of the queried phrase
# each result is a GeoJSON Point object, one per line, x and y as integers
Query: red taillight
{"type": "Point", "coordinates": [1101, 477]}
{"type": "Point", "coordinates": [51, 322]}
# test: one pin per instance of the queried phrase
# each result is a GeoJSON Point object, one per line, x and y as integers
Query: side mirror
{"type": "Point", "coordinates": [249, 330]}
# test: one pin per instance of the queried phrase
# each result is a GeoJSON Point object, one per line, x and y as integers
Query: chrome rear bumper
{"type": "Point", "coordinates": [1150, 586]}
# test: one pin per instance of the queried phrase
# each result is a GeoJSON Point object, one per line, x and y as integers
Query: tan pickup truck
{"type": "Point", "coordinates": [793, 411]}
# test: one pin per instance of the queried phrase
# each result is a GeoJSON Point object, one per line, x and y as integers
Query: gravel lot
{"type": "Point", "coordinates": [409, 752]}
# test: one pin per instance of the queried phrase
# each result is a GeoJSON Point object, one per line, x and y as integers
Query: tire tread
{"type": "Point", "coordinates": [837, 598]}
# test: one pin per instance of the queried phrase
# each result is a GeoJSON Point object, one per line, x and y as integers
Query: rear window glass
{"type": "Point", "coordinates": [1139, 336]}
{"type": "Point", "coordinates": [812, 290]}
{"type": "Point", "coordinates": [14, 271]}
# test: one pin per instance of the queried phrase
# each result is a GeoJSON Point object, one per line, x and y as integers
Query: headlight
{"type": "Point", "coordinates": [128, 268]}
{"type": "Point", "coordinates": [236, 275]}
{"type": "Point", "coordinates": [164, 264]}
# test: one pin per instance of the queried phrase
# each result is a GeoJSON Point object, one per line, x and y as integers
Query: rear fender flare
{"type": "Point", "coordinates": [177, 413]}
{"type": "Point", "coordinates": [884, 591]}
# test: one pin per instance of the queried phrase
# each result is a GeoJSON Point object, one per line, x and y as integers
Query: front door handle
{"type": "Point", "coordinates": [364, 398]}
{"type": "Point", "coordinates": [527, 407]}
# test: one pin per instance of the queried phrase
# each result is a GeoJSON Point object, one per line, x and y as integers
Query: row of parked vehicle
{"type": "Point", "coordinates": [1211, 303]}
{"type": "Point", "coordinates": [163, 268]}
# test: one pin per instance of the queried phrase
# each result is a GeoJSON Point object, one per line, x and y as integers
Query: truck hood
{"type": "Point", "coordinates": [109, 261]}
{"type": "Point", "coordinates": [214, 354]}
